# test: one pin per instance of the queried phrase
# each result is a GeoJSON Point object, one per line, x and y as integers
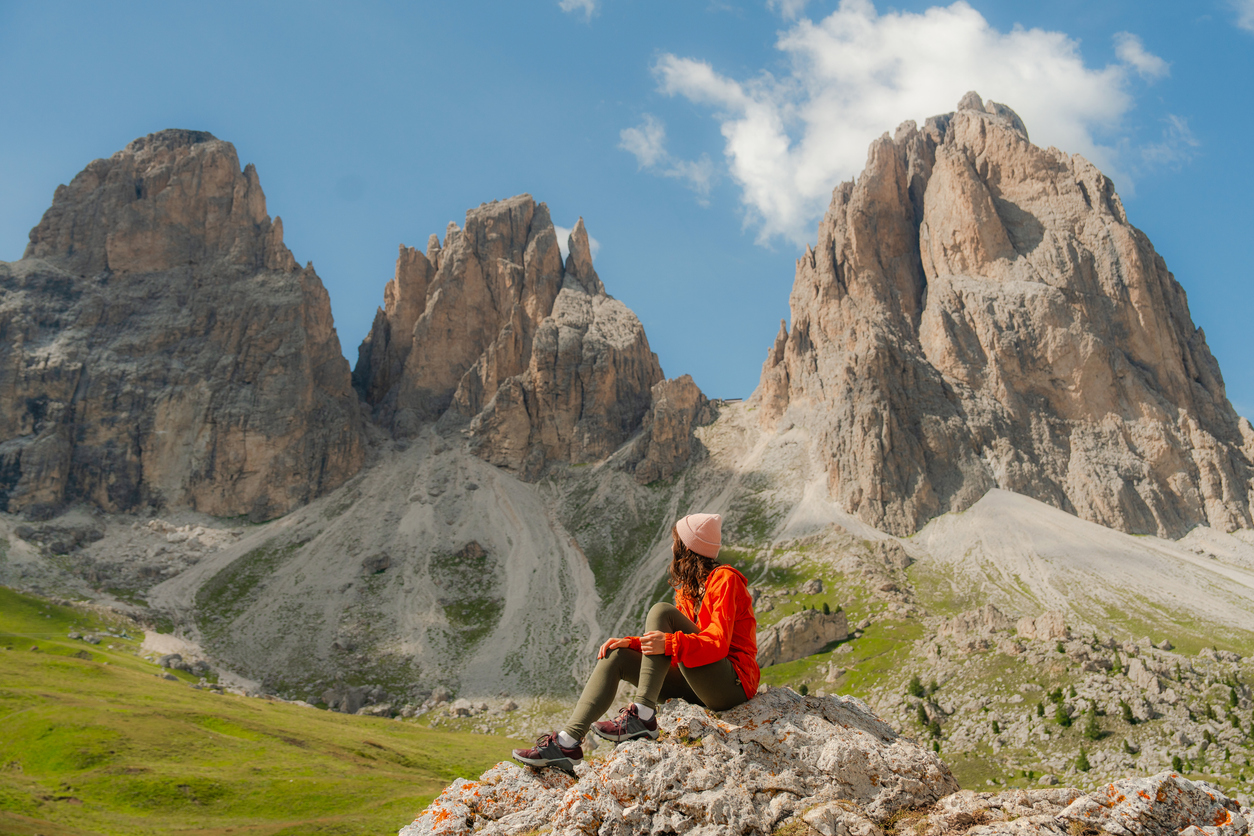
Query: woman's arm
{"type": "Point", "coordinates": [722, 594]}
{"type": "Point", "coordinates": [629, 642]}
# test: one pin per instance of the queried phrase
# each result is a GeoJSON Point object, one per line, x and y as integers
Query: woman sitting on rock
{"type": "Point", "coordinates": [702, 649]}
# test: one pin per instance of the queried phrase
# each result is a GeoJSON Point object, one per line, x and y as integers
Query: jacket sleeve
{"type": "Point", "coordinates": [712, 643]}
{"type": "Point", "coordinates": [635, 642]}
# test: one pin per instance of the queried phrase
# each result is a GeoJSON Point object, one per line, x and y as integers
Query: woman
{"type": "Point", "coordinates": [703, 649]}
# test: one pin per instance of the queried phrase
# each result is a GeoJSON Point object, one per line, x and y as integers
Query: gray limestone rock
{"type": "Point", "coordinates": [799, 635]}
{"type": "Point", "coordinates": [745, 771]}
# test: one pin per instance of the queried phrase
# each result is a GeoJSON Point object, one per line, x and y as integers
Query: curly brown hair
{"type": "Point", "coordinates": [689, 569]}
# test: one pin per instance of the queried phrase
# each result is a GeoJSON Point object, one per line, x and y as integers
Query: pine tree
{"type": "Point", "coordinates": [996, 728]}
{"type": "Point", "coordinates": [915, 688]}
{"type": "Point", "coordinates": [1040, 710]}
{"type": "Point", "coordinates": [1092, 730]}
{"type": "Point", "coordinates": [1082, 761]}
{"type": "Point", "coordinates": [1125, 711]}
{"type": "Point", "coordinates": [1177, 765]}
{"type": "Point", "coordinates": [1061, 717]}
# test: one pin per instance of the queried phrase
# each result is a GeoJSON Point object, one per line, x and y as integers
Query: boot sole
{"type": "Point", "coordinates": [565, 764]}
{"type": "Point", "coordinates": [619, 738]}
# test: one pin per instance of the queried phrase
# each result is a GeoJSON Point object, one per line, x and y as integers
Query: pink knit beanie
{"type": "Point", "coordinates": [703, 533]}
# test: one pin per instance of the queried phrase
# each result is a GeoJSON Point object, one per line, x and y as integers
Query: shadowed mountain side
{"type": "Point", "coordinates": [979, 313]}
{"type": "Point", "coordinates": [160, 346]}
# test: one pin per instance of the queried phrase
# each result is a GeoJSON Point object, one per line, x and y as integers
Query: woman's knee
{"type": "Point", "coordinates": [660, 615]}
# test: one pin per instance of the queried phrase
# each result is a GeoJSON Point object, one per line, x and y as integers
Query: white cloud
{"type": "Point", "coordinates": [788, 9]}
{"type": "Point", "coordinates": [588, 7]}
{"type": "Point", "coordinates": [647, 142]}
{"type": "Point", "coordinates": [1176, 146]}
{"type": "Point", "coordinates": [1130, 50]}
{"type": "Point", "coordinates": [788, 140]}
{"type": "Point", "coordinates": [563, 234]}
{"type": "Point", "coordinates": [1245, 13]}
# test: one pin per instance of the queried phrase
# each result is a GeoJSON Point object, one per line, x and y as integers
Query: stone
{"type": "Point", "coordinates": [164, 348]}
{"type": "Point", "coordinates": [987, 619]}
{"type": "Point", "coordinates": [837, 818]}
{"type": "Point", "coordinates": [814, 586]}
{"type": "Point", "coordinates": [1160, 805]}
{"type": "Point", "coordinates": [490, 331]}
{"type": "Point", "coordinates": [979, 313]}
{"type": "Point", "coordinates": [1143, 677]}
{"type": "Point", "coordinates": [1049, 626]}
{"type": "Point", "coordinates": [344, 698]}
{"type": "Point", "coordinates": [799, 635]}
{"type": "Point", "coordinates": [744, 771]}
{"type": "Point", "coordinates": [376, 564]}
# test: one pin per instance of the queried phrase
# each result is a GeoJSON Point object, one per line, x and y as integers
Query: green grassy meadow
{"type": "Point", "coordinates": [94, 741]}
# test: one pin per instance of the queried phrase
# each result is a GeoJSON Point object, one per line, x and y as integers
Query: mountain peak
{"type": "Point", "coordinates": [979, 313]}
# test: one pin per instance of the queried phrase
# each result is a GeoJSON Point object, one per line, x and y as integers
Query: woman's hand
{"type": "Point", "coordinates": [653, 643]}
{"type": "Point", "coordinates": [612, 644]}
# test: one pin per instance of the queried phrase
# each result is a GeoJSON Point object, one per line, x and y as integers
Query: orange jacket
{"type": "Point", "coordinates": [727, 628]}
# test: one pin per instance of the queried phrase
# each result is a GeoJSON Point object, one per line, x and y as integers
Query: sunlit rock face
{"type": "Point", "coordinates": [979, 313]}
{"type": "Point", "coordinates": [160, 345]}
{"type": "Point", "coordinates": [493, 330]}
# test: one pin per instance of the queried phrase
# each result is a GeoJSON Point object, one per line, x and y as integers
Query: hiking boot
{"type": "Point", "coordinates": [548, 752]}
{"type": "Point", "coordinates": [627, 726]}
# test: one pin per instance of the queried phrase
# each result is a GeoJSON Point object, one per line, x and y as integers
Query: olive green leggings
{"type": "Point", "coordinates": [714, 685]}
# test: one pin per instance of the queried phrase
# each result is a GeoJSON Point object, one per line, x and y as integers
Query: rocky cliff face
{"type": "Point", "coordinates": [159, 344]}
{"type": "Point", "coordinates": [492, 329]}
{"type": "Point", "coordinates": [979, 313]}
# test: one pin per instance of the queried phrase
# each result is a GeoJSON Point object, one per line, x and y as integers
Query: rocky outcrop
{"type": "Point", "coordinates": [1161, 805]}
{"type": "Point", "coordinates": [979, 313]}
{"type": "Point", "coordinates": [742, 772]}
{"type": "Point", "coordinates": [160, 345]}
{"type": "Point", "coordinates": [800, 635]}
{"type": "Point", "coordinates": [666, 443]}
{"type": "Point", "coordinates": [490, 329]}
{"type": "Point", "coordinates": [987, 619]}
{"type": "Point", "coordinates": [1048, 625]}
{"type": "Point", "coordinates": [805, 765]}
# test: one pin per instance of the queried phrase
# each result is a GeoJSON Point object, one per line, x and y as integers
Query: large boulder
{"type": "Point", "coordinates": [799, 635]}
{"type": "Point", "coordinates": [742, 772]}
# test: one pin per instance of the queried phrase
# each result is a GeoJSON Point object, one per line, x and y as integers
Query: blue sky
{"type": "Point", "coordinates": [699, 140]}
